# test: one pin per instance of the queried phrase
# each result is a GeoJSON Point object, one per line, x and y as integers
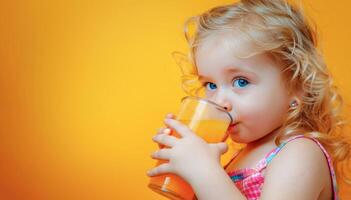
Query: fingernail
{"type": "Point", "coordinates": [167, 131]}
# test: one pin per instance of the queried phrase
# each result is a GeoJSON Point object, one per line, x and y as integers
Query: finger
{"type": "Point", "coordinates": [164, 130]}
{"type": "Point", "coordinates": [161, 169]}
{"type": "Point", "coordinates": [170, 115]}
{"type": "Point", "coordinates": [159, 131]}
{"type": "Point", "coordinates": [165, 139]}
{"type": "Point", "coordinates": [180, 128]}
{"type": "Point", "coordinates": [162, 154]}
{"type": "Point", "coordinates": [221, 148]}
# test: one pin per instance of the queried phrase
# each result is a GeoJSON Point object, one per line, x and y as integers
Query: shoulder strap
{"type": "Point", "coordinates": [262, 164]}
{"type": "Point", "coordinates": [268, 158]}
{"type": "Point", "coordinates": [272, 154]}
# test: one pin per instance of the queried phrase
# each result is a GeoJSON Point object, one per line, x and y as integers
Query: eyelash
{"type": "Point", "coordinates": [237, 78]}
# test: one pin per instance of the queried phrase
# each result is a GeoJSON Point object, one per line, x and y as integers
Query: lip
{"type": "Point", "coordinates": [232, 126]}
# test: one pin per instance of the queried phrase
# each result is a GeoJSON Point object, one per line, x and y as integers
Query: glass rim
{"type": "Point", "coordinates": [210, 102]}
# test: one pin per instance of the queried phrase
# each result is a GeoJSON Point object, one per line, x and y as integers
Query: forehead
{"type": "Point", "coordinates": [228, 51]}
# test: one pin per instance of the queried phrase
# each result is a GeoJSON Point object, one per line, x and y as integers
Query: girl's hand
{"type": "Point", "coordinates": [189, 156]}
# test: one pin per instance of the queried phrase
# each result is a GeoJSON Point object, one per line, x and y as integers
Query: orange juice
{"type": "Point", "coordinates": [212, 131]}
{"type": "Point", "coordinates": [174, 187]}
{"type": "Point", "coordinates": [171, 186]}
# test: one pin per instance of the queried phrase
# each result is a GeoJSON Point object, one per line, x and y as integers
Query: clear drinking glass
{"type": "Point", "coordinates": [208, 120]}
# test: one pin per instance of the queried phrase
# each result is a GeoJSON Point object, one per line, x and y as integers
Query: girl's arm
{"type": "Point", "coordinates": [216, 184]}
{"type": "Point", "coordinates": [299, 171]}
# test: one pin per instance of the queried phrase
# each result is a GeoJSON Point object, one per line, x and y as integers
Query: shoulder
{"type": "Point", "coordinates": [299, 169]}
{"type": "Point", "coordinates": [302, 149]}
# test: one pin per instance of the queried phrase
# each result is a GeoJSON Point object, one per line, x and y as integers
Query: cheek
{"type": "Point", "coordinates": [262, 112]}
{"type": "Point", "coordinates": [251, 107]}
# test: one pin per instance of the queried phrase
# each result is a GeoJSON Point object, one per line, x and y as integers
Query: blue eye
{"type": "Point", "coordinates": [240, 82]}
{"type": "Point", "coordinates": [210, 85]}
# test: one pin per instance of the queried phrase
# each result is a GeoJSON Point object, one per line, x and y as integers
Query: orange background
{"type": "Point", "coordinates": [85, 85]}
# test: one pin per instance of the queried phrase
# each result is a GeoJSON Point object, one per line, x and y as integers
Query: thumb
{"type": "Point", "coordinates": [221, 147]}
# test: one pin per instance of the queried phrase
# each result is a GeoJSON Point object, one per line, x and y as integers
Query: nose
{"type": "Point", "coordinates": [227, 106]}
{"type": "Point", "coordinates": [224, 102]}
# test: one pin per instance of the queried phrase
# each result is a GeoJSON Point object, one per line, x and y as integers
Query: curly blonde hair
{"type": "Point", "coordinates": [280, 29]}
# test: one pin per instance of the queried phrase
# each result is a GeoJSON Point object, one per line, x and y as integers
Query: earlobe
{"type": "Point", "coordinates": [294, 103]}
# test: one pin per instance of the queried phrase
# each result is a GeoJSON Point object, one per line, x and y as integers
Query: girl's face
{"type": "Point", "coordinates": [252, 89]}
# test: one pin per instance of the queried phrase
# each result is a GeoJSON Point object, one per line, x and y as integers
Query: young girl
{"type": "Point", "coordinates": [258, 59]}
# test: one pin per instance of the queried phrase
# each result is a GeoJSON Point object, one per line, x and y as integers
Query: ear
{"type": "Point", "coordinates": [295, 96]}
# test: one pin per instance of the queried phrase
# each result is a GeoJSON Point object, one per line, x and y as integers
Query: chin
{"type": "Point", "coordinates": [237, 139]}
{"type": "Point", "coordinates": [236, 136]}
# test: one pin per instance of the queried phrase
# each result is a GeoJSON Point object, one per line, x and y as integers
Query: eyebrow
{"type": "Point", "coordinates": [233, 70]}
